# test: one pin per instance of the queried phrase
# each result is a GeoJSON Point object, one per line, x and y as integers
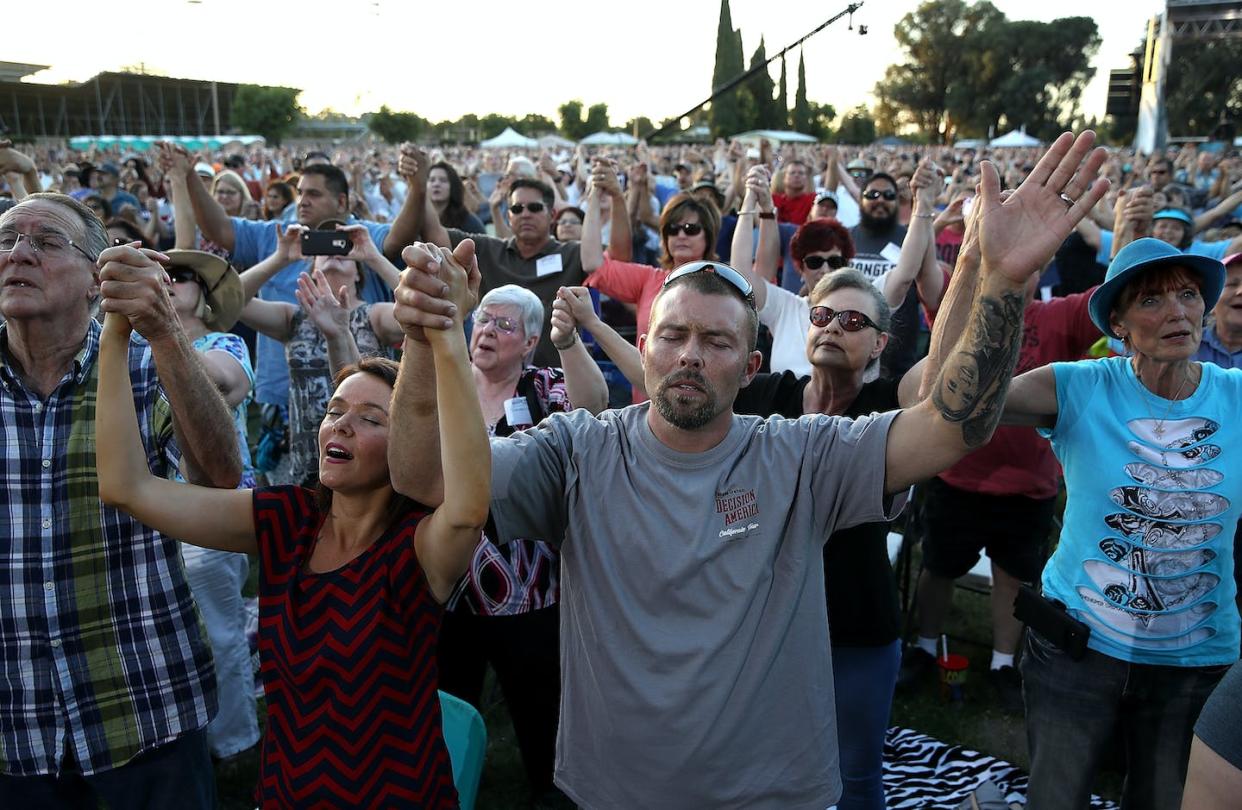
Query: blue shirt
{"type": "Point", "coordinates": [1213, 250]}
{"type": "Point", "coordinates": [1211, 350]}
{"type": "Point", "coordinates": [254, 241]}
{"type": "Point", "coordinates": [1154, 494]}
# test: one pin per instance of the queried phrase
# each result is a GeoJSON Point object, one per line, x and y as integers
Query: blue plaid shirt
{"type": "Point", "coordinates": [102, 655]}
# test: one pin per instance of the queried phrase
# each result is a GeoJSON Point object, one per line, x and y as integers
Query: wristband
{"type": "Point", "coordinates": [924, 216]}
{"type": "Point", "coordinates": [574, 339]}
{"type": "Point", "coordinates": [767, 215]}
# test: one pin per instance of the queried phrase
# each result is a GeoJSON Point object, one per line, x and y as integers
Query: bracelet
{"type": "Point", "coordinates": [747, 213]}
{"type": "Point", "coordinates": [767, 215]}
{"type": "Point", "coordinates": [570, 344]}
{"type": "Point", "coordinates": [924, 216]}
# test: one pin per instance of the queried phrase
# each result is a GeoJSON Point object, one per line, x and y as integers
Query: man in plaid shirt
{"type": "Point", "coordinates": [106, 681]}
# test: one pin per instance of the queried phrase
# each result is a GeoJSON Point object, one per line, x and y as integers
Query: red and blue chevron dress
{"type": "Point", "coordinates": [349, 668]}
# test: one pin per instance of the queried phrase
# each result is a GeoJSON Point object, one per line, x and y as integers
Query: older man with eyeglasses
{"type": "Point", "coordinates": [106, 681]}
{"type": "Point", "coordinates": [695, 663]}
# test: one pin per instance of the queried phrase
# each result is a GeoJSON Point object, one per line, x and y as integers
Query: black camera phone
{"type": "Point", "coordinates": [1051, 620]}
{"type": "Point", "coordinates": [325, 243]}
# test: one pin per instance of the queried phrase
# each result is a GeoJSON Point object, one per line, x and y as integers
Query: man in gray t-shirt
{"type": "Point", "coordinates": [694, 636]}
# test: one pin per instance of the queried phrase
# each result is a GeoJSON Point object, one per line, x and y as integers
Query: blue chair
{"type": "Point", "coordinates": [466, 738]}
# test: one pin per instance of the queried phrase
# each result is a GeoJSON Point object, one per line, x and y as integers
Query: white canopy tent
{"type": "Point", "coordinates": [556, 142]}
{"type": "Point", "coordinates": [609, 139]}
{"type": "Point", "coordinates": [775, 136]}
{"type": "Point", "coordinates": [141, 143]}
{"type": "Point", "coordinates": [510, 139]}
{"type": "Point", "coordinates": [1017, 137]}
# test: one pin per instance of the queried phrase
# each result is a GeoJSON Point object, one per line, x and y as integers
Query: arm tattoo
{"type": "Point", "coordinates": [972, 384]}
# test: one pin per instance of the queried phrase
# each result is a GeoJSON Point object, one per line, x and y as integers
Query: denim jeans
{"type": "Point", "coordinates": [1073, 707]}
{"type": "Point", "coordinates": [216, 579]}
{"type": "Point", "coordinates": [177, 774]}
{"type": "Point", "coordinates": [864, 678]}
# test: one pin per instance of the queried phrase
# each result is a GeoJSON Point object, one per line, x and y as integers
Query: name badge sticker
{"type": "Point", "coordinates": [548, 265]}
{"type": "Point", "coordinates": [517, 412]}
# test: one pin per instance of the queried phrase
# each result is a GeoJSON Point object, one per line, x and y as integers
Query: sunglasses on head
{"type": "Point", "coordinates": [506, 325]}
{"type": "Point", "coordinates": [851, 320]}
{"type": "Point", "coordinates": [816, 262]}
{"type": "Point", "coordinates": [534, 208]}
{"type": "Point", "coordinates": [688, 228]}
{"type": "Point", "coordinates": [875, 194]}
{"type": "Point", "coordinates": [724, 271]}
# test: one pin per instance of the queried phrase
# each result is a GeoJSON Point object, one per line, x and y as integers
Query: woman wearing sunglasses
{"type": "Point", "coordinates": [352, 575]}
{"type": "Point", "coordinates": [847, 330]}
{"type": "Point", "coordinates": [688, 229]}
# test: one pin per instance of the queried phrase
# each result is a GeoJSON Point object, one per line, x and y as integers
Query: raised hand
{"type": "Point", "coordinates": [14, 161]}
{"type": "Point", "coordinates": [431, 295]}
{"type": "Point", "coordinates": [575, 308]}
{"type": "Point", "coordinates": [362, 248]}
{"type": "Point", "coordinates": [133, 284]}
{"type": "Point", "coordinates": [926, 184]}
{"type": "Point", "coordinates": [413, 165]}
{"type": "Point", "coordinates": [289, 242]}
{"type": "Point", "coordinates": [604, 178]}
{"type": "Point", "coordinates": [324, 309]}
{"type": "Point", "coordinates": [759, 183]}
{"type": "Point", "coordinates": [1018, 235]}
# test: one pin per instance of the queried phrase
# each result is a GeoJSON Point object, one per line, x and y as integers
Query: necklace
{"type": "Point", "coordinates": [1145, 394]}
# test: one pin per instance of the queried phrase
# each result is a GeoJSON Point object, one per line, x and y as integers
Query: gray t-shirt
{"type": "Point", "coordinates": [694, 640]}
{"type": "Point", "coordinates": [1220, 722]}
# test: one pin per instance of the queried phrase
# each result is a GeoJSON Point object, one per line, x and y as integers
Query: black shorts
{"type": "Point", "coordinates": [957, 524]}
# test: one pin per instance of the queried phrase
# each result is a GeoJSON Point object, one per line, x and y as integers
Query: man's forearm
{"type": "Point", "coordinates": [203, 424]}
{"type": "Point", "coordinates": [414, 452]}
{"type": "Point", "coordinates": [970, 389]}
{"type": "Point", "coordinates": [408, 226]}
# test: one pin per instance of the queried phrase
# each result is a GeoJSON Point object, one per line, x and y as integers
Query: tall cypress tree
{"type": "Point", "coordinates": [802, 108]}
{"type": "Point", "coordinates": [729, 60]}
{"type": "Point", "coordinates": [782, 100]}
{"type": "Point", "coordinates": [761, 90]}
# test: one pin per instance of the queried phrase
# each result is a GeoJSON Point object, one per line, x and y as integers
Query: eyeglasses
{"type": "Point", "coordinates": [724, 271]}
{"type": "Point", "coordinates": [506, 326]}
{"type": "Point", "coordinates": [48, 243]}
{"type": "Point", "coordinates": [875, 194]}
{"type": "Point", "coordinates": [851, 320]}
{"type": "Point", "coordinates": [182, 275]}
{"type": "Point", "coordinates": [688, 228]}
{"type": "Point", "coordinates": [534, 208]}
{"type": "Point", "coordinates": [564, 222]}
{"type": "Point", "coordinates": [816, 262]}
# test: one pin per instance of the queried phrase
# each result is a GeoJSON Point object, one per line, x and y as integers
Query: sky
{"type": "Point", "coordinates": [445, 59]}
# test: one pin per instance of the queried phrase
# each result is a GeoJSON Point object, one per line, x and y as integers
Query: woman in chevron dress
{"type": "Point", "coordinates": [353, 575]}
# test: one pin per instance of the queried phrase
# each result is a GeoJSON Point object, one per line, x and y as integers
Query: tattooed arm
{"type": "Point", "coordinates": [1016, 237]}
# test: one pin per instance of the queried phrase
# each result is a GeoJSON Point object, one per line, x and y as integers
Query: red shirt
{"type": "Point", "coordinates": [1017, 461]}
{"type": "Point", "coordinates": [630, 283]}
{"type": "Point", "coordinates": [794, 209]}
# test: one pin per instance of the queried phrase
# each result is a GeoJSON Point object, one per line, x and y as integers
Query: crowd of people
{"type": "Point", "coordinates": [686, 597]}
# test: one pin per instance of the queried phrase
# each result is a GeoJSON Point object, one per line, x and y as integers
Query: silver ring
{"type": "Point", "coordinates": [1065, 198]}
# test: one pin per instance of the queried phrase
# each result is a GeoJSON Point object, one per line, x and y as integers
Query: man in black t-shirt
{"type": "Point", "coordinates": [877, 244]}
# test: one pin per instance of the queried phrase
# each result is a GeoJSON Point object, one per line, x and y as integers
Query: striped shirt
{"type": "Point", "coordinates": [101, 652]}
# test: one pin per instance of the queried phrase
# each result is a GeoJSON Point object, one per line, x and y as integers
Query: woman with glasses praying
{"type": "Point", "coordinates": [848, 321]}
{"type": "Point", "coordinates": [503, 612]}
{"type": "Point", "coordinates": [688, 229]}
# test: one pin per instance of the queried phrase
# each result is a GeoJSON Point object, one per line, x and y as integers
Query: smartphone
{"type": "Point", "coordinates": [1052, 621]}
{"type": "Point", "coordinates": [325, 243]}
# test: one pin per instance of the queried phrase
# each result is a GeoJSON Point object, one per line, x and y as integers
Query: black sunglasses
{"type": "Point", "coordinates": [851, 320]}
{"type": "Point", "coordinates": [725, 272]}
{"type": "Point", "coordinates": [875, 194]}
{"type": "Point", "coordinates": [181, 275]}
{"type": "Point", "coordinates": [816, 262]}
{"type": "Point", "coordinates": [688, 228]}
{"type": "Point", "coordinates": [534, 208]}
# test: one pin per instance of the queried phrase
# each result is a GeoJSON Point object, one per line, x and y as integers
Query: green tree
{"type": "Point", "coordinates": [596, 119]}
{"type": "Point", "coordinates": [725, 118]}
{"type": "Point", "coordinates": [782, 99]}
{"type": "Point", "coordinates": [639, 127]}
{"type": "Point", "coordinates": [858, 127]}
{"type": "Point", "coordinates": [493, 124]}
{"type": "Point", "coordinates": [802, 107]}
{"type": "Point", "coordinates": [761, 91]}
{"type": "Point", "coordinates": [1203, 86]}
{"type": "Point", "coordinates": [572, 126]}
{"type": "Point", "coordinates": [396, 127]}
{"type": "Point", "coordinates": [820, 124]}
{"type": "Point", "coordinates": [535, 124]}
{"type": "Point", "coordinates": [268, 111]}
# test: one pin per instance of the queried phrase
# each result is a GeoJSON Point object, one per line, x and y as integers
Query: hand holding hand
{"type": "Point", "coordinates": [604, 178]}
{"type": "Point", "coordinates": [133, 284]}
{"type": "Point", "coordinates": [431, 295]}
{"type": "Point", "coordinates": [413, 166]}
{"type": "Point", "coordinates": [926, 184]}
{"type": "Point", "coordinates": [14, 161]}
{"type": "Point", "coordinates": [576, 307]}
{"type": "Point", "coordinates": [759, 182]}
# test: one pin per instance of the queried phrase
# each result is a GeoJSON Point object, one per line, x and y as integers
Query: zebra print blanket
{"type": "Point", "coordinates": [923, 773]}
